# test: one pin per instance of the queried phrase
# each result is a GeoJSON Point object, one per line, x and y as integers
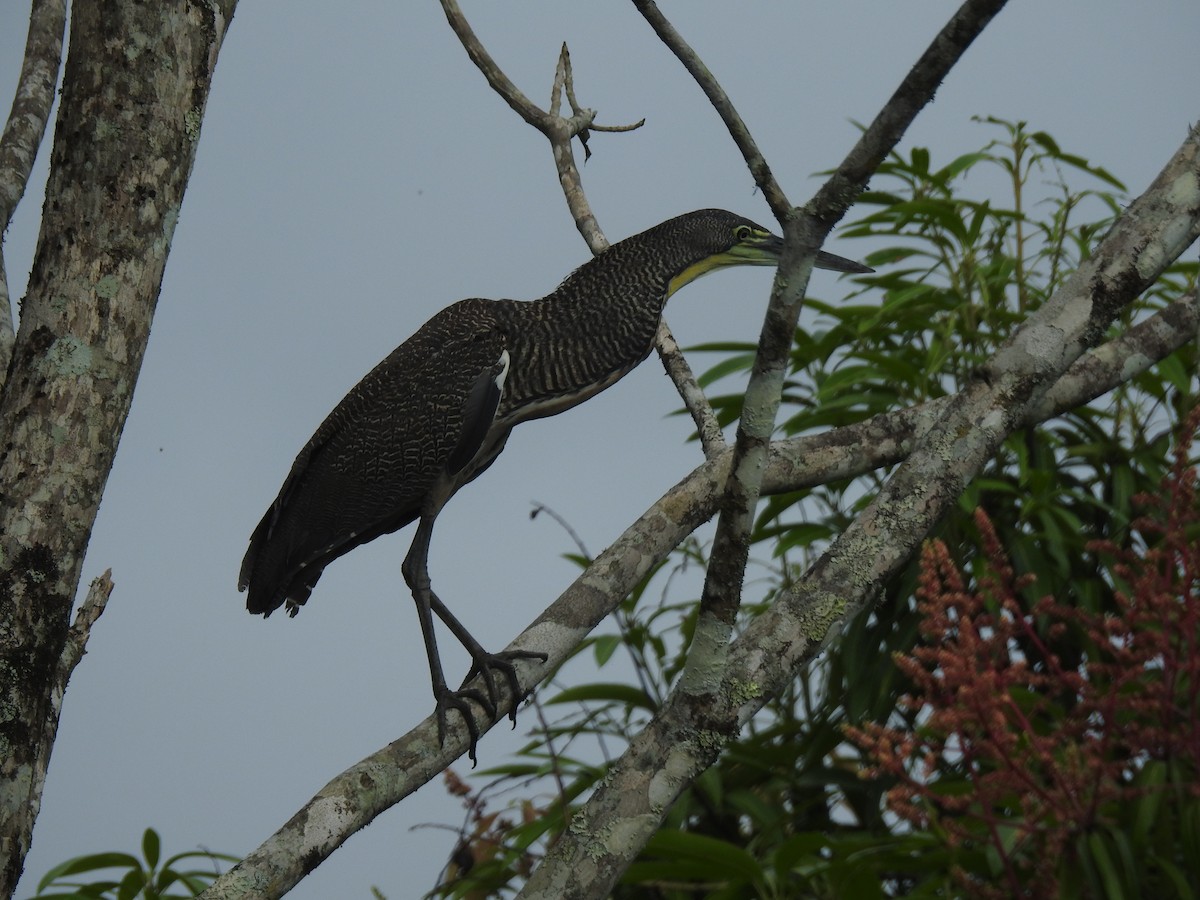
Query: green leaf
{"type": "Point", "coordinates": [1182, 885]}
{"type": "Point", "coordinates": [132, 884]}
{"type": "Point", "coordinates": [1150, 784]}
{"type": "Point", "coordinates": [1098, 852]}
{"type": "Point", "coordinates": [603, 647]}
{"type": "Point", "coordinates": [728, 366]}
{"type": "Point", "coordinates": [962, 164]}
{"type": "Point", "coordinates": [624, 694]}
{"type": "Point", "coordinates": [90, 863]}
{"type": "Point", "coordinates": [705, 857]}
{"type": "Point", "coordinates": [800, 849]}
{"type": "Point", "coordinates": [802, 534]}
{"type": "Point", "coordinates": [151, 847]}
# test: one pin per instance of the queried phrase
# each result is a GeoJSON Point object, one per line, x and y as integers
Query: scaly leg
{"type": "Point", "coordinates": [416, 574]}
{"type": "Point", "coordinates": [483, 662]}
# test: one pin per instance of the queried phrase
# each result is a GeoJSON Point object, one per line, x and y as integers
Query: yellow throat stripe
{"type": "Point", "coordinates": [709, 264]}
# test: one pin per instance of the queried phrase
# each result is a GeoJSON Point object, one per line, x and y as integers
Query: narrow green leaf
{"type": "Point", "coordinates": [151, 847]}
{"type": "Point", "coordinates": [603, 647]}
{"type": "Point", "coordinates": [605, 692]}
{"type": "Point", "coordinates": [714, 857]}
{"type": "Point", "coordinates": [1098, 851]}
{"type": "Point", "coordinates": [90, 863]}
{"type": "Point", "coordinates": [132, 884]}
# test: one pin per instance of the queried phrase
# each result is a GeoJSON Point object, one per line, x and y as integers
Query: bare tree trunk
{"type": "Point", "coordinates": [134, 89]}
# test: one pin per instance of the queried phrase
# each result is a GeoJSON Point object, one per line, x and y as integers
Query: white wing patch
{"type": "Point", "coordinates": [502, 375]}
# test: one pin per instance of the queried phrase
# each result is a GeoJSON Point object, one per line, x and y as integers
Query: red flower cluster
{"type": "Point", "coordinates": [1018, 757]}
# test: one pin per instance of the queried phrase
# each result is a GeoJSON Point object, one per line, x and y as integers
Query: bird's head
{"type": "Point", "coordinates": [711, 239]}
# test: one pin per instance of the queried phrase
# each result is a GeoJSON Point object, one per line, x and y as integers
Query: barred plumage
{"type": "Point", "coordinates": [437, 411]}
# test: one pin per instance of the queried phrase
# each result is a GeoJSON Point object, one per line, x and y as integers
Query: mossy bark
{"type": "Point", "coordinates": [134, 89]}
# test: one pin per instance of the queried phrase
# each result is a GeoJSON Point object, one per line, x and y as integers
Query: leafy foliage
{"type": "Point", "coordinates": [148, 878]}
{"type": "Point", "coordinates": [786, 812]}
{"type": "Point", "coordinates": [1075, 778]}
{"type": "Point", "coordinates": [814, 801]}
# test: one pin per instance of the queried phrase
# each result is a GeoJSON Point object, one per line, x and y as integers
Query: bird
{"type": "Point", "coordinates": [437, 411]}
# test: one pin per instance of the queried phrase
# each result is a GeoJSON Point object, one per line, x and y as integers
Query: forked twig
{"type": "Point", "coordinates": [559, 130]}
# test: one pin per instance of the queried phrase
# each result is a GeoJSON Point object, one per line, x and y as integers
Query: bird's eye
{"type": "Point", "coordinates": [742, 232]}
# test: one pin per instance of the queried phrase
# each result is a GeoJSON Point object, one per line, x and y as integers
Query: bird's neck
{"type": "Point", "coordinates": [622, 280]}
{"type": "Point", "coordinates": [584, 336]}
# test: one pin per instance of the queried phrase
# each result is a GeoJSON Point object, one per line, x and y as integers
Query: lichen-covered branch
{"type": "Point", "coordinates": [1024, 379]}
{"type": "Point", "coordinates": [686, 735]}
{"type": "Point", "coordinates": [803, 233]}
{"type": "Point", "coordinates": [124, 145]}
{"type": "Point", "coordinates": [26, 123]}
{"type": "Point", "coordinates": [361, 793]}
{"type": "Point", "coordinates": [23, 132]}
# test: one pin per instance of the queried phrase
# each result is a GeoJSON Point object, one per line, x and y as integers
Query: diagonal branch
{"type": "Point", "coordinates": [804, 231]}
{"type": "Point", "coordinates": [30, 112]}
{"type": "Point", "coordinates": [23, 133]}
{"type": "Point", "coordinates": [354, 798]}
{"type": "Point", "coordinates": [688, 733]}
{"type": "Point", "coordinates": [720, 101]}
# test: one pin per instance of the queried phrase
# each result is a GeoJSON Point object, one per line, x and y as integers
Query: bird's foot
{"type": "Point", "coordinates": [458, 700]}
{"type": "Point", "coordinates": [483, 664]}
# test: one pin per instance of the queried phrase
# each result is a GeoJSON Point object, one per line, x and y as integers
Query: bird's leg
{"type": "Point", "coordinates": [483, 662]}
{"type": "Point", "coordinates": [416, 574]}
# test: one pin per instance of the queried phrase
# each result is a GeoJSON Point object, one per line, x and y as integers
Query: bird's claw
{"type": "Point", "coordinates": [483, 666]}
{"type": "Point", "coordinates": [448, 699]}
{"type": "Point", "coordinates": [489, 701]}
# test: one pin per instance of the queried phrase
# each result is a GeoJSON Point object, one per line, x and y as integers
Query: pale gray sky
{"type": "Point", "coordinates": [355, 175]}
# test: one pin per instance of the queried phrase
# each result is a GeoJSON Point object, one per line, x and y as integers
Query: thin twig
{"type": "Point", "coordinates": [556, 766]}
{"type": "Point", "coordinates": [720, 101]}
{"type": "Point", "coordinates": [618, 129]}
{"type": "Point", "coordinates": [560, 131]}
{"type": "Point", "coordinates": [564, 525]}
{"type": "Point", "coordinates": [522, 105]}
{"type": "Point", "coordinates": [712, 440]}
{"type": "Point", "coordinates": [89, 612]}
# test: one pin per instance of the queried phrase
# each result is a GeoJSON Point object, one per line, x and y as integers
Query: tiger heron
{"type": "Point", "coordinates": [438, 410]}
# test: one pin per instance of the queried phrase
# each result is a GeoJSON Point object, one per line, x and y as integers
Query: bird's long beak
{"type": "Point", "coordinates": [764, 249]}
{"type": "Point", "coordinates": [767, 250]}
{"type": "Point", "coordinates": [836, 263]}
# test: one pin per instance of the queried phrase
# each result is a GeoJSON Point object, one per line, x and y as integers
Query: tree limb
{"type": "Point", "coordinates": [23, 134]}
{"type": "Point", "coordinates": [105, 234]}
{"type": "Point", "coordinates": [389, 775]}
{"type": "Point", "coordinates": [689, 731]}
{"type": "Point", "coordinates": [691, 737]}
